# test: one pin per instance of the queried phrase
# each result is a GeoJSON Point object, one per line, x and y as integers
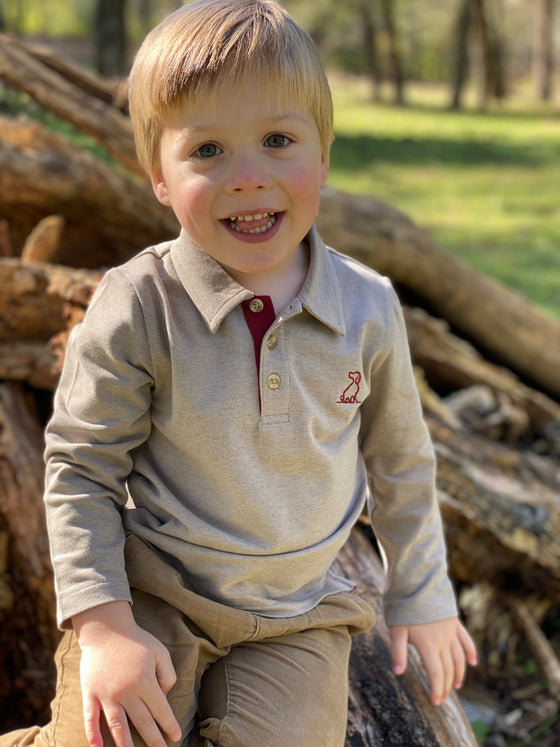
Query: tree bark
{"type": "Point", "coordinates": [450, 364]}
{"type": "Point", "coordinates": [36, 300]}
{"type": "Point", "coordinates": [501, 514]}
{"type": "Point", "coordinates": [108, 215]}
{"type": "Point", "coordinates": [62, 93]}
{"type": "Point", "coordinates": [385, 709]}
{"type": "Point", "coordinates": [28, 633]}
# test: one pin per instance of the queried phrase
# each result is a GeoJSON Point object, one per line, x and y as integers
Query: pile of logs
{"type": "Point", "coordinates": [487, 368]}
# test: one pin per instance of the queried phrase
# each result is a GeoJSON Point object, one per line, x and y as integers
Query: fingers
{"type": "Point", "coordinates": [157, 711]}
{"type": "Point", "coordinates": [117, 722]}
{"type": "Point", "coordinates": [91, 722]}
{"type": "Point", "coordinates": [440, 674]}
{"type": "Point", "coordinates": [444, 646]}
{"type": "Point", "coordinates": [147, 717]}
{"type": "Point", "coordinates": [468, 646]}
{"type": "Point", "coordinates": [458, 666]}
{"type": "Point", "coordinates": [165, 672]}
{"type": "Point", "coordinates": [399, 650]}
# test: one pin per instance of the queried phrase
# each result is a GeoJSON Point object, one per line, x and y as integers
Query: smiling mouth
{"type": "Point", "coordinates": [252, 224]}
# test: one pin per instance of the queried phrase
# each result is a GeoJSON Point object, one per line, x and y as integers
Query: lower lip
{"type": "Point", "coordinates": [255, 238]}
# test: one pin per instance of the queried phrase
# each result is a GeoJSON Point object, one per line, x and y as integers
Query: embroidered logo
{"type": "Point", "coordinates": [350, 395]}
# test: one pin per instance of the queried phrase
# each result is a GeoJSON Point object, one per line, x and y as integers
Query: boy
{"type": "Point", "coordinates": [226, 407]}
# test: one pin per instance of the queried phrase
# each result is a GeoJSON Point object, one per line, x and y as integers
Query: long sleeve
{"type": "Point", "coordinates": [401, 468]}
{"type": "Point", "coordinates": [101, 414]}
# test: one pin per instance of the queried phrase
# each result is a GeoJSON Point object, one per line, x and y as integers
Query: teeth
{"type": "Point", "coordinates": [258, 216]}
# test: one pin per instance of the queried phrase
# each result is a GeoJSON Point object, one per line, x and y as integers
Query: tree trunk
{"type": "Point", "coordinates": [486, 52]}
{"type": "Point", "coordinates": [460, 53]}
{"type": "Point", "coordinates": [371, 58]}
{"type": "Point", "coordinates": [110, 38]}
{"type": "Point", "coordinates": [543, 56]}
{"type": "Point", "coordinates": [395, 64]}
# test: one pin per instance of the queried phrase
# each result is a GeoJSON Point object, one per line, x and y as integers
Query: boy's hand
{"type": "Point", "coordinates": [124, 671]}
{"type": "Point", "coordinates": [443, 647]}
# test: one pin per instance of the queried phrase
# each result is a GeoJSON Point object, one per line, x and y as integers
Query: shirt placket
{"type": "Point", "coordinates": [269, 338]}
{"type": "Point", "coordinates": [274, 379]}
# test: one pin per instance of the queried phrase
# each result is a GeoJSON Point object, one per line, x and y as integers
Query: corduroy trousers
{"type": "Point", "coordinates": [243, 680]}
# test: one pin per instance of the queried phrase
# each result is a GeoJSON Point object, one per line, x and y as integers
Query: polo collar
{"type": "Point", "coordinates": [215, 293]}
{"type": "Point", "coordinates": [321, 294]}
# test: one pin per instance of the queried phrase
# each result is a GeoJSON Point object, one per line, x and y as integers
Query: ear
{"type": "Point", "coordinates": [160, 188]}
{"type": "Point", "coordinates": [325, 166]}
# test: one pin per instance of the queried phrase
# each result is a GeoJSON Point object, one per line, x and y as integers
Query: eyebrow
{"type": "Point", "coordinates": [273, 120]}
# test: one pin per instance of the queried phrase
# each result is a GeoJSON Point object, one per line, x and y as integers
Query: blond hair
{"type": "Point", "coordinates": [210, 43]}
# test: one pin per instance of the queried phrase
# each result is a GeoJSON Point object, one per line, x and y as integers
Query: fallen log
{"type": "Point", "coordinates": [108, 215]}
{"type": "Point", "coordinates": [71, 95]}
{"type": "Point", "coordinates": [34, 362]}
{"type": "Point", "coordinates": [500, 511]}
{"type": "Point", "coordinates": [37, 299]}
{"type": "Point", "coordinates": [385, 709]}
{"type": "Point", "coordinates": [28, 633]}
{"type": "Point", "coordinates": [450, 363]}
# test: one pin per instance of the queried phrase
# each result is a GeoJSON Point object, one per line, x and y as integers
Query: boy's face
{"type": "Point", "coordinates": [243, 177]}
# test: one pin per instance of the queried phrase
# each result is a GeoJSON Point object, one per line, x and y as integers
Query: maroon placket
{"type": "Point", "coordinates": [260, 316]}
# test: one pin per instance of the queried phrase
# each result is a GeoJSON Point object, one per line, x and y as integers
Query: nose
{"type": "Point", "coordinates": [247, 174]}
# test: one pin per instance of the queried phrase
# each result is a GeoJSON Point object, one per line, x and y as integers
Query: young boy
{"type": "Point", "coordinates": [228, 404]}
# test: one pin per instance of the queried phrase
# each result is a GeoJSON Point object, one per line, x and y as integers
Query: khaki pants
{"type": "Point", "coordinates": [242, 679]}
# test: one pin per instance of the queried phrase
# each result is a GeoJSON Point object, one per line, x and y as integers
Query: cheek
{"type": "Point", "coordinates": [306, 184]}
{"type": "Point", "coordinates": [192, 201]}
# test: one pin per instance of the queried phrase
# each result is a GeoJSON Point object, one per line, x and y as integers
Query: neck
{"type": "Point", "coordinates": [283, 283]}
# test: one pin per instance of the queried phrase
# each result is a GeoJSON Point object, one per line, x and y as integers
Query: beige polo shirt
{"type": "Point", "coordinates": [248, 478]}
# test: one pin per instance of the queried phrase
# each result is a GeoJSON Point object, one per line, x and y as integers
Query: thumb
{"type": "Point", "coordinates": [399, 650]}
{"type": "Point", "coordinates": [165, 671]}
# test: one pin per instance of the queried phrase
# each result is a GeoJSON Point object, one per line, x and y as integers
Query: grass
{"type": "Point", "coordinates": [485, 185]}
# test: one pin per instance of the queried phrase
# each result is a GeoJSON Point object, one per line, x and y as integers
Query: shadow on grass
{"type": "Point", "coordinates": [361, 151]}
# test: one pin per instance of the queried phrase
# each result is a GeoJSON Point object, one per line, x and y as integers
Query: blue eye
{"type": "Point", "coordinates": [208, 150]}
{"type": "Point", "coordinates": [276, 141]}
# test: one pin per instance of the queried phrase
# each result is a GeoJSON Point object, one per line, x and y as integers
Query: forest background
{"type": "Point", "coordinates": [446, 110]}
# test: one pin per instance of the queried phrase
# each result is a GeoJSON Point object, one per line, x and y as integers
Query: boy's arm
{"type": "Point", "coordinates": [124, 672]}
{"type": "Point", "coordinates": [400, 462]}
{"type": "Point", "coordinates": [419, 601]}
{"type": "Point", "coordinates": [443, 646]}
{"type": "Point", "coordinates": [101, 416]}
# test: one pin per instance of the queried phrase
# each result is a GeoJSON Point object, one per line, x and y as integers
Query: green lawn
{"type": "Point", "coordinates": [485, 185]}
